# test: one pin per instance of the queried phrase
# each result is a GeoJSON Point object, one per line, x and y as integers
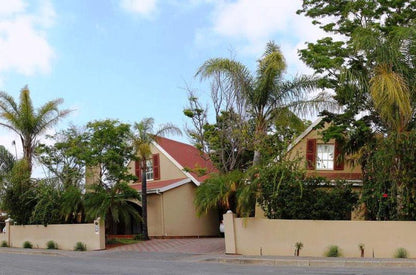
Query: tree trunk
{"type": "Point", "coordinates": [144, 202]}
{"type": "Point", "coordinates": [256, 157]}
{"type": "Point", "coordinates": [27, 154]}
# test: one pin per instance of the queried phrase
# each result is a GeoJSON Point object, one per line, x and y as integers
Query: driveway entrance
{"type": "Point", "coordinates": [189, 246]}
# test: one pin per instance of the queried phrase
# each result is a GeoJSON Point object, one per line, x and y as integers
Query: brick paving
{"type": "Point", "coordinates": [192, 246]}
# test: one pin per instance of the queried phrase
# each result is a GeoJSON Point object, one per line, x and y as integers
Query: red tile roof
{"type": "Point", "coordinates": [187, 156]}
{"type": "Point", "coordinates": [153, 185]}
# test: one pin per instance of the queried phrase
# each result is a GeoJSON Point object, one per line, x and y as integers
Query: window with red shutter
{"type": "Point", "coordinates": [310, 154]}
{"type": "Point", "coordinates": [338, 158]}
{"type": "Point", "coordinates": [156, 167]}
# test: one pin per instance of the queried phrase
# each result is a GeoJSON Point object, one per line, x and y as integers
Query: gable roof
{"type": "Point", "coordinates": [304, 134]}
{"type": "Point", "coordinates": [185, 157]}
{"type": "Point", "coordinates": [161, 186]}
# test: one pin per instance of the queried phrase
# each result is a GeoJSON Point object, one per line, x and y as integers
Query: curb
{"type": "Point", "coordinates": [62, 253]}
{"type": "Point", "coordinates": [317, 262]}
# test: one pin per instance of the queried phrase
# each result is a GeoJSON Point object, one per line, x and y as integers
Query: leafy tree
{"type": "Point", "coordinates": [340, 19]}
{"type": "Point", "coordinates": [389, 191]}
{"type": "Point", "coordinates": [106, 150]}
{"type": "Point", "coordinates": [7, 162]}
{"type": "Point", "coordinates": [48, 204]}
{"type": "Point", "coordinates": [143, 137]}
{"type": "Point", "coordinates": [267, 93]}
{"type": "Point", "coordinates": [369, 64]}
{"type": "Point", "coordinates": [27, 122]}
{"type": "Point", "coordinates": [65, 163]}
{"type": "Point", "coordinates": [63, 158]}
{"type": "Point", "coordinates": [372, 70]}
{"type": "Point", "coordinates": [18, 195]}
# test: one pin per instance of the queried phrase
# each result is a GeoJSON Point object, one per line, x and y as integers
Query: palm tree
{"type": "Point", "coordinates": [267, 93]}
{"type": "Point", "coordinates": [112, 203]}
{"type": "Point", "coordinates": [143, 137]}
{"type": "Point", "coordinates": [27, 122]}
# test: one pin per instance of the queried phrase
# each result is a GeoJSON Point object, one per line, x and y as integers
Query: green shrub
{"type": "Point", "coordinates": [4, 244]}
{"type": "Point", "coordinates": [111, 241]}
{"type": "Point", "coordinates": [333, 251]}
{"type": "Point", "coordinates": [79, 246]}
{"type": "Point", "coordinates": [51, 245]}
{"type": "Point", "coordinates": [286, 193]}
{"type": "Point", "coordinates": [401, 253]}
{"type": "Point", "coordinates": [27, 244]}
{"type": "Point", "coordinates": [139, 237]}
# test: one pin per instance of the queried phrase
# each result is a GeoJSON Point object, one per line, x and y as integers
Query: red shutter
{"type": "Point", "coordinates": [156, 167]}
{"type": "Point", "coordinates": [138, 170]}
{"type": "Point", "coordinates": [338, 158]}
{"type": "Point", "coordinates": [310, 154]}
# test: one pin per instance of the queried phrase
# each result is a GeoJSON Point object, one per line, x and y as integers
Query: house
{"type": "Point", "coordinates": [173, 175]}
{"type": "Point", "coordinates": [323, 158]}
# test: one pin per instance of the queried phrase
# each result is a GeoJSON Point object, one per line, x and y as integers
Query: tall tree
{"type": "Point", "coordinates": [356, 29]}
{"type": "Point", "coordinates": [62, 158]}
{"type": "Point", "coordinates": [143, 137]}
{"type": "Point", "coordinates": [107, 149]}
{"type": "Point", "coordinates": [27, 122]}
{"type": "Point", "coordinates": [267, 93]}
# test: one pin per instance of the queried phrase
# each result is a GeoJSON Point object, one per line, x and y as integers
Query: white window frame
{"type": "Point", "coordinates": [325, 156]}
{"type": "Point", "coordinates": [149, 169]}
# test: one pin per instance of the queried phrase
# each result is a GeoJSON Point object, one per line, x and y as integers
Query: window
{"type": "Point", "coordinates": [152, 168]}
{"type": "Point", "coordinates": [149, 169]}
{"type": "Point", "coordinates": [325, 156]}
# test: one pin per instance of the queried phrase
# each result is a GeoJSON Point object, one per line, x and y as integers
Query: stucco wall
{"type": "Point", "coordinates": [154, 215]}
{"type": "Point", "coordinates": [173, 213]}
{"type": "Point", "coordinates": [65, 235]}
{"type": "Point", "coordinates": [251, 236]}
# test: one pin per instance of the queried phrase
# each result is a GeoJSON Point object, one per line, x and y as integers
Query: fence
{"type": "Point", "coordinates": [65, 235]}
{"type": "Point", "coordinates": [255, 236]}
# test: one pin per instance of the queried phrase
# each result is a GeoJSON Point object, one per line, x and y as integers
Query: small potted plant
{"type": "Point", "coordinates": [361, 247]}
{"type": "Point", "coordinates": [298, 247]}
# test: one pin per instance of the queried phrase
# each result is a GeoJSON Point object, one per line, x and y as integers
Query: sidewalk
{"type": "Point", "coordinates": [234, 259]}
{"type": "Point", "coordinates": [311, 261]}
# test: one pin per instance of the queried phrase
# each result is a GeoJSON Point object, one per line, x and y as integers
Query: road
{"type": "Point", "coordinates": [153, 263]}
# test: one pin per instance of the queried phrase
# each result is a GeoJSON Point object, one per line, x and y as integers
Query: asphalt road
{"type": "Point", "coordinates": [154, 263]}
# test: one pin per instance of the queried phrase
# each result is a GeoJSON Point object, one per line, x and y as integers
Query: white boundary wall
{"type": "Point", "coordinates": [65, 235]}
{"type": "Point", "coordinates": [257, 236]}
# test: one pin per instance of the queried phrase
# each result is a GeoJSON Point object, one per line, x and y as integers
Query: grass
{"type": "Point", "coordinates": [80, 246]}
{"type": "Point", "coordinates": [401, 253]}
{"type": "Point", "coordinates": [51, 245]}
{"type": "Point", "coordinates": [333, 251]}
{"type": "Point", "coordinates": [27, 244]}
{"type": "Point", "coordinates": [122, 241]}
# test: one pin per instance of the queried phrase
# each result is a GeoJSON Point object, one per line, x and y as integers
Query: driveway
{"type": "Point", "coordinates": [188, 246]}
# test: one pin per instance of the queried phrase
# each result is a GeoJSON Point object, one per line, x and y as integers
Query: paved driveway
{"type": "Point", "coordinates": [191, 246]}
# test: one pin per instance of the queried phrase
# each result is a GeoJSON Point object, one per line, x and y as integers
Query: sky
{"type": "Point", "coordinates": [131, 59]}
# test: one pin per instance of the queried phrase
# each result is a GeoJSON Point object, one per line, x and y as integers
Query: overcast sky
{"type": "Point", "coordinates": [130, 59]}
